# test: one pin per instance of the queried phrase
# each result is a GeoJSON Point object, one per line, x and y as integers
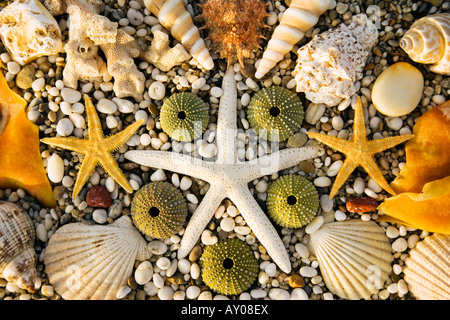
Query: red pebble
{"type": "Point", "coordinates": [98, 197]}
{"type": "Point", "coordinates": [361, 204]}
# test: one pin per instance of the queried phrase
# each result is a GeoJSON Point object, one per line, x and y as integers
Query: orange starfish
{"type": "Point", "coordinates": [96, 149]}
{"type": "Point", "coordinates": [20, 158]}
{"type": "Point", "coordinates": [359, 151]}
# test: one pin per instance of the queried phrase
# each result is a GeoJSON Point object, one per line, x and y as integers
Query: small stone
{"type": "Point", "coordinates": [64, 127]}
{"type": "Point", "coordinates": [70, 95]}
{"type": "Point", "coordinates": [199, 83]}
{"type": "Point", "coordinates": [184, 266]}
{"type": "Point", "coordinates": [47, 290]}
{"type": "Point", "coordinates": [271, 269]}
{"type": "Point", "coordinates": [279, 294]}
{"type": "Point", "coordinates": [192, 292]}
{"type": "Point", "coordinates": [166, 293]}
{"type": "Point", "coordinates": [361, 204]}
{"type": "Point", "coordinates": [309, 272]}
{"type": "Point", "coordinates": [400, 245]}
{"type": "Point", "coordinates": [25, 77]}
{"type": "Point", "coordinates": [157, 247]}
{"type": "Point", "coordinates": [299, 294]}
{"type": "Point", "coordinates": [322, 182]}
{"type": "Point", "coordinates": [124, 106]}
{"type": "Point", "coordinates": [98, 197]}
{"type": "Point", "coordinates": [41, 233]}
{"type": "Point", "coordinates": [38, 84]}
{"type": "Point", "coordinates": [296, 281]}
{"type": "Point", "coordinates": [100, 216]}
{"type": "Point", "coordinates": [185, 183]}
{"type": "Point", "coordinates": [314, 225]}
{"type": "Point", "coordinates": [163, 263]}
{"type": "Point", "coordinates": [302, 250]}
{"type": "Point", "coordinates": [208, 238]}
{"type": "Point", "coordinates": [394, 123]}
{"type": "Point", "coordinates": [143, 273]}
{"type": "Point", "coordinates": [123, 292]}
{"type": "Point", "coordinates": [157, 90]}
{"type": "Point", "coordinates": [135, 17]}
{"type": "Point", "coordinates": [106, 106]}
{"type": "Point", "coordinates": [334, 168]}
{"type": "Point", "coordinates": [55, 168]}
{"type": "Point", "coordinates": [195, 253]}
{"type": "Point", "coordinates": [227, 224]}
{"type": "Point", "coordinates": [341, 7]}
{"type": "Point", "coordinates": [297, 140]}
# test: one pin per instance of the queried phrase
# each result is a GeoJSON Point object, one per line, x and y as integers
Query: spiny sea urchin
{"type": "Point", "coordinates": [159, 210]}
{"type": "Point", "coordinates": [184, 116]}
{"type": "Point", "coordinates": [277, 111]}
{"type": "Point", "coordinates": [229, 267]}
{"type": "Point", "coordinates": [234, 27]}
{"type": "Point", "coordinates": [292, 201]}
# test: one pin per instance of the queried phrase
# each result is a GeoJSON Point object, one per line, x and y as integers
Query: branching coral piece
{"type": "Point", "coordinates": [161, 55]}
{"type": "Point", "coordinates": [57, 7]}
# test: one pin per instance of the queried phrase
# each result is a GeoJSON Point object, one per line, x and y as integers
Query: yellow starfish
{"type": "Point", "coordinates": [96, 149]}
{"type": "Point", "coordinates": [359, 151]}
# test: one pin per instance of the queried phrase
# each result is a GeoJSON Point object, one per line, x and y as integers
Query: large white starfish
{"type": "Point", "coordinates": [228, 178]}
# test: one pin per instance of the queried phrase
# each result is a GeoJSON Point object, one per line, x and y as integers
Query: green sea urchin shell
{"type": "Point", "coordinates": [276, 110]}
{"type": "Point", "coordinates": [159, 210]}
{"type": "Point", "coordinates": [292, 201]}
{"type": "Point", "coordinates": [184, 116]}
{"type": "Point", "coordinates": [229, 267]}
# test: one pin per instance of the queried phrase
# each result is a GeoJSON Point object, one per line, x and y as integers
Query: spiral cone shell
{"type": "Point", "coordinates": [17, 256]}
{"type": "Point", "coordinates": [301, 16]}
{"type": "Point", "coordinates": [428, 42]}
{"type": "Point", "coordinates": [427, 271]}
{"type": "Point", "coordinates": [92, 262]}
{"type": "Point", "coordinates": [354, 257]}
{"type": "Point", "coordinates": [173, 16]}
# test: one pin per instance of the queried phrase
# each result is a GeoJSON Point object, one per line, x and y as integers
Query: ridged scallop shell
{"type": "Point", "coordinates": [17, 256]}
{"type": "Point", "coordinates": [92, 262]}
{"type": "Point", "coordinates": [159, 210]}
{"type": "Point", "coordinates": [296, 21]}
{"type": "Point", "coordinates": [173, 16]}
{"type": "Point", "coordinates": [354, 257]}
{"type": "Point", "coordinates": [427, 270]}
{"type": "Point", "coordinates": [184, 116]}
{"type": "Point", "coordinates": [276, 111]}
{"type": "Point", "coordinates": [428, 41]}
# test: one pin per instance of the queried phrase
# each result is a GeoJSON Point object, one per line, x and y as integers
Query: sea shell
{"type": "Point", "coordinates": [229, 267]}
{"type": "Point", "coordinates": [398, 90]}
{"type": "Point", "coordinates": [29, 31]}
{"type": "Point", "coordinates": [184, 116]}
{"type": "Point", "coordinates": [159, 210]}
{"type": "Point", "coordinates": [428, 42]}
{"type": "Point", "coordinates": [292, 201]}
{"type": "Point", "coordinates": [276, 112]}
{"type": "Point", "coordinates": [331, 63]}
{"type": "Point", "coordinates": [17, 256]}
{"type": "Point", "coordinates": [427, 271]}
{"type": "Point", "coordinates": [173, 16]}
{"type": "Point", "coordinates": [428, 153]}
{"type": "Point", "coordinates": [234, 27]}
{"type": "Point", "coordinates": [354, 257]}
{"type": "Point", "coordinates": [296, 21]}
{"type": "Point", "coordinates": [92, 262]}
{"type": "Point", "coordinates": [428, 210]}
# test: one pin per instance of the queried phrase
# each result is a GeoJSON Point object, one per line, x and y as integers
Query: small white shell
{"type": "Point", "coordinates": [427, 270]}
{"type": "Point", "coordinates": [428, 41]}
{"type": "Point", "coordinates": [92, 262]}
{"type": "Point", "coordinates": [354, 257]}
{"type": "Point", "coordinates": [29, 31]}
{"type": "Point", "coordinates": [17, 256]}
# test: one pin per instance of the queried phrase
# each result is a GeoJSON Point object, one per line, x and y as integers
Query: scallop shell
{"type": "Point", "coordinates": [92, 262]}
{"type": "Point", "coordinates": [17, 256]}
{"type": "Point", "coordinates": [296, 21]}
{"type": "Point", "coordinates": [427, 270]}
{"type": "Point", "coordinates": [173, 16]}
{"type": "Point", "coordinates": [354, 257]}
{"type": "Point", "coordinates": [428, 42]}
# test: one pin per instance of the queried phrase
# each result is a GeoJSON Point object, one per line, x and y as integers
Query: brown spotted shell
{"type": "Point", "coordinates": [17, 256]}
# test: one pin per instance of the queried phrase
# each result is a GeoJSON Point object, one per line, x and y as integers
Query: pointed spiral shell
{"type": "Point", "coordinates": [17, 256]}
{"type": "Point", "coordinates": [159, 210]}
{"type": "Point", "coordinates": [173, 16]}
{"type": "Point", "coordinates": [301, 16]}
{"type": "Point", "coordinates": [428, 42]}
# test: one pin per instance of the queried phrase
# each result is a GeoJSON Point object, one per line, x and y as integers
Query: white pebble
{"type": "Point", "coordinates": [184, 266]}
{"type": "Point", "coordinates": [166, 293]}
{"type": "Point", "coordinates": [306, 271]}
{"type": "Point", "coordinates": [392, 232]}
{"type": "Point", "coordinates": [70, 95]}
{"type": "Point", "coordinates": [227, 224]}
{"type": "Point", "coordinates": [64, 127]}
{"type": "Point", "coordinates": [163, 263]}
{"type": "Point", "coordinates": [279, 294]}
{"type": "Point", "coordinates": [394, 123]}
{"type": "Point", "coordinates": [314, 225]}
{"type": "Point", "coordinates": [374, 186]}
{"type": "Point", "coordinates": [258, 293]}
{"type": "Point", "coordinates": [326, 203]}
{"type": "Point", "coordinates": [157, 90]}
{"type": "Point", "coordinates": [195, 271]}
{"type": "Point", "coordinates": [438, 99]}
{"type": "Point", "coordinates": [322, 182]}
{"type": "Point", "coordinates": [41, 233]}
{"type": "Point", "coordinates": [339, 215]}
{"type": "Point", "coordinates": [216, 92]}
{"type": "Point", "coordinates": [271, 269]}
{"type": "Point", "coordinates": [334, 168]}
{"type": "Point", "coordinates": [192, 198]}
{"type": "Point", "coordinates": [158, 175]}
{"type": "Point", "coordinates": [157, 247]}
{"type": "Point", "coordinates": [47, 290]}
{"type": "Point", "coordinates": [242, 230]}
{"type": "Point", "coordinates": [106, 106]}
{"type": "Point", "coordinates": [77, 120]}
{"type": "Point", "coordinates": [208, 237]}
{"type": "Point", "coordinates": [299, 294]}
{"type": "Point", "coordinates": [13, 67]}
{"type": "Point", "coordinates": [337, 123]}
{"type": "Point", "coordinates": [135, 17]}
{"type": "Point", "coordinates": [100, 215]}
{"type": "Point", "coordinates": [199, 83]}
{"type": "Point", "coordinates": [185, 183]}
{"type": "Point", "coordinates": [124, 106]}
{"type": "Point", "coordinates": [122, 292]}
{"type": "Point", "coordinates": [302, 250]}
{"type": "Point", "coordinates": [192, 292]}
{"type": "Point", "coordinates": [359, 185]}
{"type": "Point", "coordinates": [38, 84]}
{"type": "Point", "coordinates": [143, 273]}
{"type": "Point", "coordinates": [55, 168]}
{"type": "Point", "coordinates": [400, 245]}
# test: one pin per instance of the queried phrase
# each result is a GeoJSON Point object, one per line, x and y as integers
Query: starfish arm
{"type": "Point", "coordinates": [172, 161]}
{"type": "Point", "coordinates": [69, 143]}
{"type": "Point", "coordinates": [115, 141]}
{"type": "Point", "coordinates": [359, 126]}
{"type": "Point", "coordinates": [94, 125]}
{"type": "Point", "coordinates": [379, 145]}
{"type": "Point", "coordinates": [226, 120]}
{"type": "Point", "coordinates": [333, 142]}
{"type": "Point", "coordinates": [275, 162]}
{"type": "Point", "coordinates": [261, 226]}
{"type": "Point", "coordinates": [87, 167]}
{"type": "Point", "coordinates": [112, 168]}
{"type": "Point", "coordinates": [368, 163]}
{"type": "Point", "coordinates": [200, 219]}
{"type": "Point", "coordinates": [347, 168]}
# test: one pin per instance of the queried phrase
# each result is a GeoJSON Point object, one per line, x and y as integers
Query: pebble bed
{"type": "Point", "coordinates": [60, 110]}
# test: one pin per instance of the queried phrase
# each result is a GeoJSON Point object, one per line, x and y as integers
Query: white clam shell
{"type": "Point", "coordinates": [17, 256]}
{"type": "Point", "coordinates": [92, 262]}
{"type": "Point", "coordinates": [354, 257]}
{"type": "Point", "coordinates": [427, 270]}
{"type": "Point", "coordinates": [29, 31]}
